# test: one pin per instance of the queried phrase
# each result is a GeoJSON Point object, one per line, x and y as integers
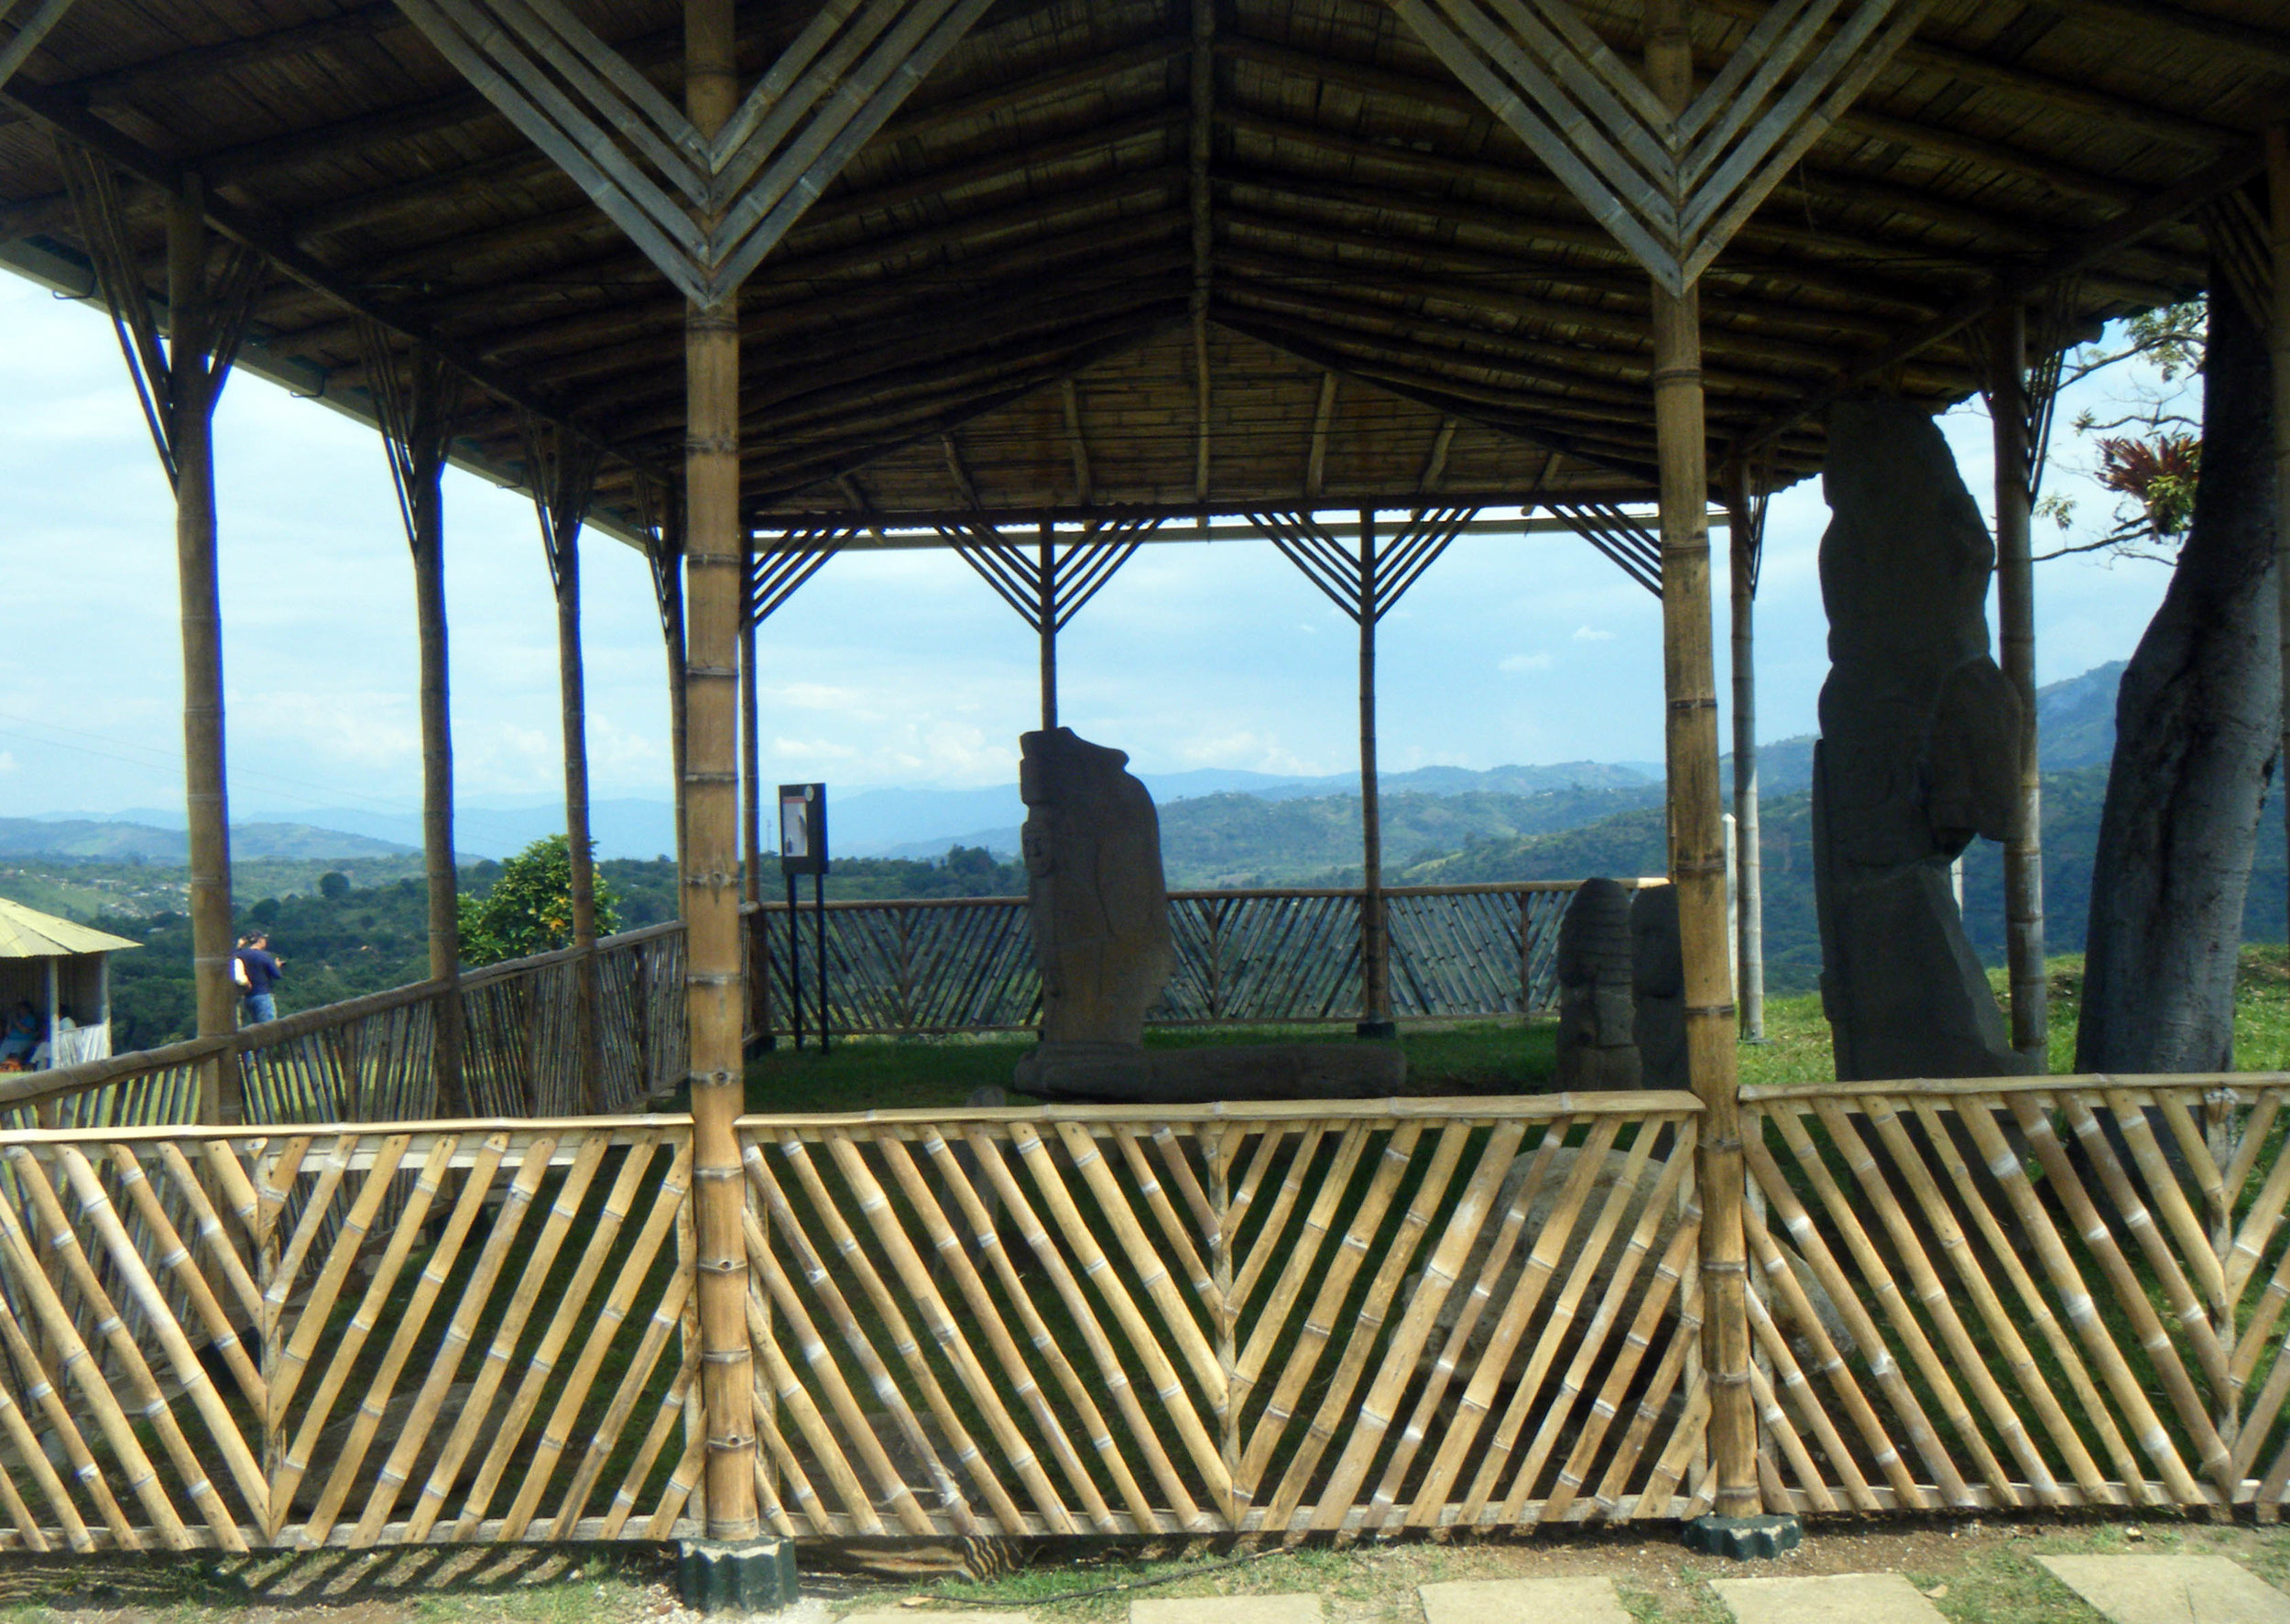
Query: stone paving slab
{"type": "Point", "coordinates": [2171, 1589]}
{"type": "Point", "coordinates": [1834, 1599]}
{"type": "Point", "coordinates": [909, 1616]}
{"type": "Point", "coordinates": [1226, 1609]}
{"type": "Point", "coordinates": [1523, 1601]}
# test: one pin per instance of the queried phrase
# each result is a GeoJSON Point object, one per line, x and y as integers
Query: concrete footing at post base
{"type": "Point", "coordinates": [737, 1576]}
{"type": "Point", "coordinates": [1744, 1539]}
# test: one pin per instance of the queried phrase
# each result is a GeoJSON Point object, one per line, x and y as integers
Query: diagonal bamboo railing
{"type": "Point", "coordinates": [1358, 1319]}
{"type": "Point", "coordinates": [901, 967]}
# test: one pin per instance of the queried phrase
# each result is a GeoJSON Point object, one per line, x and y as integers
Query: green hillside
{"type": "Point", "coordinates": [1631, 842]}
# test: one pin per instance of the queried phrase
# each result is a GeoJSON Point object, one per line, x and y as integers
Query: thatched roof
{"type": "Point", "coordinates": [27, 934]}
{"type": "Point", "coordinates": [989, 310]}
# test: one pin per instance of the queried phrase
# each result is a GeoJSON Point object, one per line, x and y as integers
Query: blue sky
{"type": "Point", "coordinates": [900, 669]}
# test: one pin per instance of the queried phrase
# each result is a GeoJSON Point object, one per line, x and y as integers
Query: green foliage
{"type": "Point", "coordinates": [333, 885]}
{"type": "Point", "coordinates": [529, 907]}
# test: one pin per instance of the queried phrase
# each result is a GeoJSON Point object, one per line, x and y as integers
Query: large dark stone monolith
{"type": "Point", "coordinates": [1597, 1044]}
{"type": "Point", "coordinates": [1918, 752]}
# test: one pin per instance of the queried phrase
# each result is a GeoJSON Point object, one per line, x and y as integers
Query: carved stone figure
{"type": "Point", "coordinates": [1918, 752]}
{"type": "Point", "coordinates": [1100, 915]}
{"type": "Point", "coordinates": [1098, 905]}
{"type": "Point", "coordinates": [1598, 1046]}
{"type": "Point", "coordinates": [1658, 988]}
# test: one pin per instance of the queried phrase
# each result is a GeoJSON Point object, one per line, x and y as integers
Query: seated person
{"type": "Point", "coordinates": [23, 1034]}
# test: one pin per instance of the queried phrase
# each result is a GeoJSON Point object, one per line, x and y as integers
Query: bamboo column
{"type": "Point", "coordinates": [573, 704]}
{"type": "Point", "coordinates": [1697, 858]}
{"type": "Point", "coordinates": [1743, 539]}
{"type": "Point", "coordinates": [750, 763]}
{"type": "Point", "coordinates": [714, 544]}
{"type": "Point", "coordinates": [206, 799]}
{"type": "Point", "coordinates": [2278, 343]}
{"type": "Point", "coordinates": [1046, 618]}
{"type": "Point", "coordinates": [425, 517]}
{"type": "Point", "coordinates": [2015, 615]}
{"type": "Point", "coordinates": [1375, 947]}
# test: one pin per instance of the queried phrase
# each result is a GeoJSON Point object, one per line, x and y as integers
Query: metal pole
{"type": "Point", "coordinates": [1375, 947]}
{"type": "Point", "coordinates": [1046, 620]}
{"type": "Point", "coordinates": [715, 995]}
{"type": "Point", "coordinates": [1697, 863]}
{"type": "Point", "coordinates": [206, 801]}
{"type": "Point", "coordinates": [794, 965]}
{"type": "Point", "coordinates": [2015, 617]}
{"type": "Point", "coordinates": [1749, 867]}
{"type": "Point", "coordinates": [819, 914]}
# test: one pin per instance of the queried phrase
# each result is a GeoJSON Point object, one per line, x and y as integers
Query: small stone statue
{"type": "Point", "coordinates": [1597, 1045]}
{"type": "Point", "coordinates": [1918, 754]}
{"type": "Point", "coordinates": [1099, 907]}
{"type": "Point", "coordinates": [1658, 988]}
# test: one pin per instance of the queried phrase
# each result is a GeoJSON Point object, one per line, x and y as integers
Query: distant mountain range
{"type": "Point", "coordinates": [1219, 826]}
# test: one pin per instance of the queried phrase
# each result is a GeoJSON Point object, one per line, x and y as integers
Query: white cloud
{"type": "Point", "coordinates": [1540, 660]}
{"type": "Point", "coordinates": [1591, 634]}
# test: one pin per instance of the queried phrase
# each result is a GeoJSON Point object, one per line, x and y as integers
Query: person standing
{"type": "Point", "coordinates": [261, 973]}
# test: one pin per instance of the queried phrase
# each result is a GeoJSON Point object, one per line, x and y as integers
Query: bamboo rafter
{"type": "Point", "coordinates": [1056, 587]}
{"type": "Point", "coordinates": [779, 565]}
{"type": "Point", "coordinates": [168, 379]}
{"type": "Point", "coordinates": [1365, 587]}
{"type": "Point", "coordinates": [414, 406]}
{"type": "Point", "coordinates": [1672, 187]}
{"type": "Point", "coordinates": [1623, 537]}
{"type": "Point", "coordinates": [560, 471]}
{"type": "Point", "coordinates": [705, 209]}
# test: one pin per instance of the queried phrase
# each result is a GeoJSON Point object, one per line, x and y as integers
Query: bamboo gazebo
{"type": "Point", "coordinates": [1041, 280]}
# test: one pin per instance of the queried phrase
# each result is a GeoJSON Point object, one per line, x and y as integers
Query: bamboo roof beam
{"type": "Point", "coordinates": [2181, 25]}
{"type": "Point", "coordinates": [845, 207]}
{"type": "Point", "coordinates": [769, 478]}
{"type": "Point", "coordinates": [1853, 189]}
{"type": "Point", "coordinates": [1435, 464]}
{"type": "Point", "coordinates": [244, 227]}
{"type": "Point", "coordinates": [2236, 169]}
{"type": "Point", "coordinates": [1445, 91]}
{"type": "Point", "coordinates": [782, 346]}
{"type": "Point", "coordinates": [987, 341]}
{"type": "Point", "coordinates": [1085, 489]}
{"type": "Point", "coordinates": [779, 280]}
{"type": "Point", "coordinates": [1316, 459]}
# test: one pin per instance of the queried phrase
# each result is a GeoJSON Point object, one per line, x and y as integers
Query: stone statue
{"type": "Point", "coordinates": [1598, 1046]}
{"type": "Point", "coordinates": [1658, 988]}
{"type": "Point", "coordinates": [1098, 905]}
{"type": "Point", "coordinates": [1100, 915]}
{"type": "Point", "coordinates": [1918, 752]}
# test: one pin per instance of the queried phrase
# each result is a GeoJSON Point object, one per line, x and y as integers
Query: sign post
{"type": "Point", "coordinates": [803, 850]}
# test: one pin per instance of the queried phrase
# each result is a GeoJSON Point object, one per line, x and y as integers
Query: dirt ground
{"type": "Point", "coordinates": [1977, 1573]}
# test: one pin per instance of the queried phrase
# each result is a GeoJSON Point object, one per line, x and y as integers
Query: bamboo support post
{"type": "Point", "coordinates": [715, 996]}
{"type": "Point", "coordinates": [191, 443]}
{"type": "Point", "coordinates": [1375, 960]}
{"type": "Point", "coordinates": [1046, 623]}
{"type": "Point", "coordinates": [573, 696]}
{"type": "Point", "coordinates": [1743, 541]}
{"type": "Point", "coordinates": [1697, 832]}
{"type": "Point", "coordinates": [2015, 615]}
{"type": "Point", "coordinates": [422, 464]}
{"type": "Point", "coordinates": [2278, 343]}
{"type": "Point", "coordinates": [750, 764]}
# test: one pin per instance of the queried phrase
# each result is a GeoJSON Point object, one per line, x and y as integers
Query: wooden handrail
{"type": "Point", "coordinates": [1516, 888]}
{"type": "Point", "coordinates": [30, 1088]}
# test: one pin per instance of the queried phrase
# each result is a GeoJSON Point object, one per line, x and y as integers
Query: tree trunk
{"type": "Point", "coordinates": [2194, 742]}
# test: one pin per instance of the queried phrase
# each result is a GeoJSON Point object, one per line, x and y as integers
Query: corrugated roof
{"type": "Point", "coordinates": [27, 934]}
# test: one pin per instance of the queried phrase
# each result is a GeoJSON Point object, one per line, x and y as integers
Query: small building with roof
{"type": "Point", "coordinates": [62, 972]}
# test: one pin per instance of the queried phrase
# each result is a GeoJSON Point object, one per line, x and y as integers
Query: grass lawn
{"type": "Point", "coordinates": [1507, 1056]}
